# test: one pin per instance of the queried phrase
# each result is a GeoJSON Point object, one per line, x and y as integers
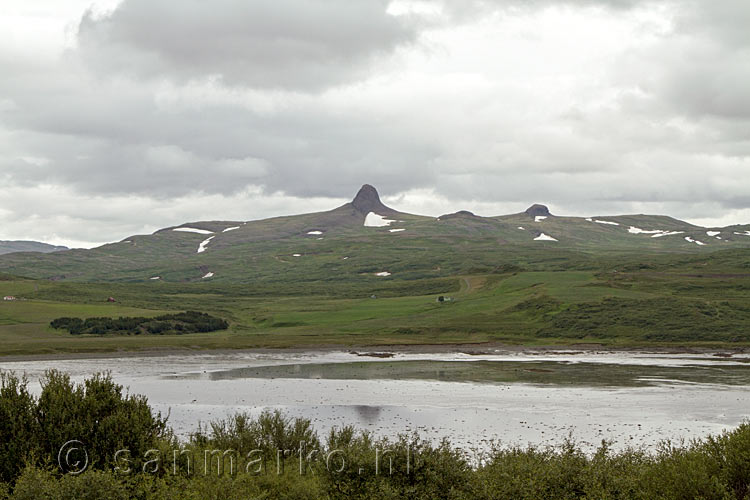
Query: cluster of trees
{"type": "Point", "coordinates": [32, 430]}
{"type": "Point", "coordinates": [168, 324]}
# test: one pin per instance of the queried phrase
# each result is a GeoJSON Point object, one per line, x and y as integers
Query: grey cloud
{"type": "Point", "coordinates": [673, 139]}
{"type": "Point", "coordinates": [710, 87]}
{"type": "Point", "coordinates": [725, 22]}
{"type": "Point", "coordinates": [288, 44]}
{"type": "Point", "coordinates": [470, 9]}
{"type": "Point", "coordinates": [118, 141]}
{"type": "Point", "coordinates": [699, 68]}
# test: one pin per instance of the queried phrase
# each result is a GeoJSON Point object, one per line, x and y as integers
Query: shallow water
{"type": "Point", "coordinates": [631, 399]}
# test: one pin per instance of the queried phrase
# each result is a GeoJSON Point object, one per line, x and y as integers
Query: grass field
{"type": "Point", "coordinates": [685, 300]}
{"type": "Point", "coordinates": [326, 279]}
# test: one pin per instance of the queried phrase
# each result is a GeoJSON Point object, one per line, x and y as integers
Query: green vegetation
{"type": "Point", "coordinates": [334, 247]}
{"type": "Point", "coordinates": [167, 324]}
{"type": "Point", "coordinates": [622, 300]}
{"type": "Point", "coordinates": [326, 279]}
{"type": "Point", "coordinates": [32, 429]}
{"type": "Point", "coordinates": [262, 458]}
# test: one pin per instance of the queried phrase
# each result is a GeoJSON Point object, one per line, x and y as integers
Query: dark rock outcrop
{"type": "Point", "coordinates": [458, 215]}
{"type": "Point", "coordinates": [368, 200]}
{"type": "Point", "coordinates": [537, 210]}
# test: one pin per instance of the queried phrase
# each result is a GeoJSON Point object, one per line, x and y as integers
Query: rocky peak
{"type": "Point", "coordinates": [537, 210]}
{"type": "Point", "coordinates": [368, 200]}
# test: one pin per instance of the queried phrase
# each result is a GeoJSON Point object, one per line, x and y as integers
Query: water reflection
{"type": "Point", "coordinates": [368, 414]}
{"type": "Point", "coordinates": [581, 374]}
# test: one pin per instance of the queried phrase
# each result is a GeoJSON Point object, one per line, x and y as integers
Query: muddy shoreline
{"type": "Point", "coordinates": [385, 351]}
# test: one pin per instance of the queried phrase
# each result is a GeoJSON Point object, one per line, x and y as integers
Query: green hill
{"type": "Point", "coordinates": [363, 238]}
{"type": "Point", "coordinates": [28, 246]}
{"type": "Point", "coordinates": [365, 274]}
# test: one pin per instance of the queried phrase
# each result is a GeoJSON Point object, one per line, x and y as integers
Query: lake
{"type": "Point", "coordinates": [511, 398]}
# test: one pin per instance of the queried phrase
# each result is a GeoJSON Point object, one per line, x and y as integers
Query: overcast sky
{"type": "Point", "coordinates": [122, 117]}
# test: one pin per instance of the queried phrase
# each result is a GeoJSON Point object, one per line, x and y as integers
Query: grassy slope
{"type": "Point", "coordinates": [263, 250]}
{"type": "Point", "coordinates": [598, 283]}
{"type": "Point", "coordinates": [690, 299]}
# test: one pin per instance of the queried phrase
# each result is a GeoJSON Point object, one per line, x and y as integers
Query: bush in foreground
{"type": "Point", "coordinates": [349, 464]}
{"type": "Point", "coordinates": [33, 430]}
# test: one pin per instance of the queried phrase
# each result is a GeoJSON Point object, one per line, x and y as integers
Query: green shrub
{"type": "Point", "coordinates": [40, 484]}
{"type": "Point", "coordinates": [361, 468]}
{"type": "Point", "coordinates": [95, 412]}
{"type": "Point", "coordinates": [19, 427]}
{"type": "Point", "coordinates": [684, 472]}
{"type": "Point", "coordinates": [98, 414]}
{"type": "Point", "coordinates": [186, 322]}
{"type": "Point", "coordinates": [269, 432]}
{"type": "Point", "coordinates": [730, 452]}
{"type": "Point", "coordinates": [35, 484]}
{"type": "Point", "coordinates": [534, 473]}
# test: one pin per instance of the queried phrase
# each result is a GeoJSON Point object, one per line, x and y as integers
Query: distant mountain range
{"type": "Point", "coordinates": [28, 246]}
{"type": "Point", "coordinates": [365, 239]}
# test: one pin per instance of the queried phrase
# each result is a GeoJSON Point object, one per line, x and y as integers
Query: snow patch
{"type": "Point", "coordinates": [345, 258]}
{"type": "Point", "coordinates": [192, 230]}
{"type": "Point", "coordinates": [230, 229]}
{"type": "Point", "coordinates": [383, 273]}
{"type": "Point", "coordinates": [155, 278]}
{"type": "Point", "coordinates": [296, 255]}
{"type": "Point", "coordinates": [746, 233]}
{"type": "Point", "coordinates": [315, 232]}
{"type": "Point", "coordinates": [544, 237]}
{"type": "Point", "coordinates": [713, 233]}
{"type": "Point", "coordinates": [656, 233]}
{"type": "Point", "coordinates": [396, 230]}
{"type": "Point", "coordinates": [208, 275]}
{"type": "Point", "coordinates": [204, 243]}
{"type": "Point", "coordinates": [539, 218]}
{"type": "Point", "coordinates": [638, 230]}
{"type": "Point", "coordinates": [521, 228]}
{"type": "Point", "coordinates": [610, 223]}
{"type": "Point", "coordinates": [589, 219]}
{"type": "Point", "coordinates": [691, 240]}
{"type": "Point", "coordinates": [667, 233]}
{"type": "Point", "coordinates": [375, 220]}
